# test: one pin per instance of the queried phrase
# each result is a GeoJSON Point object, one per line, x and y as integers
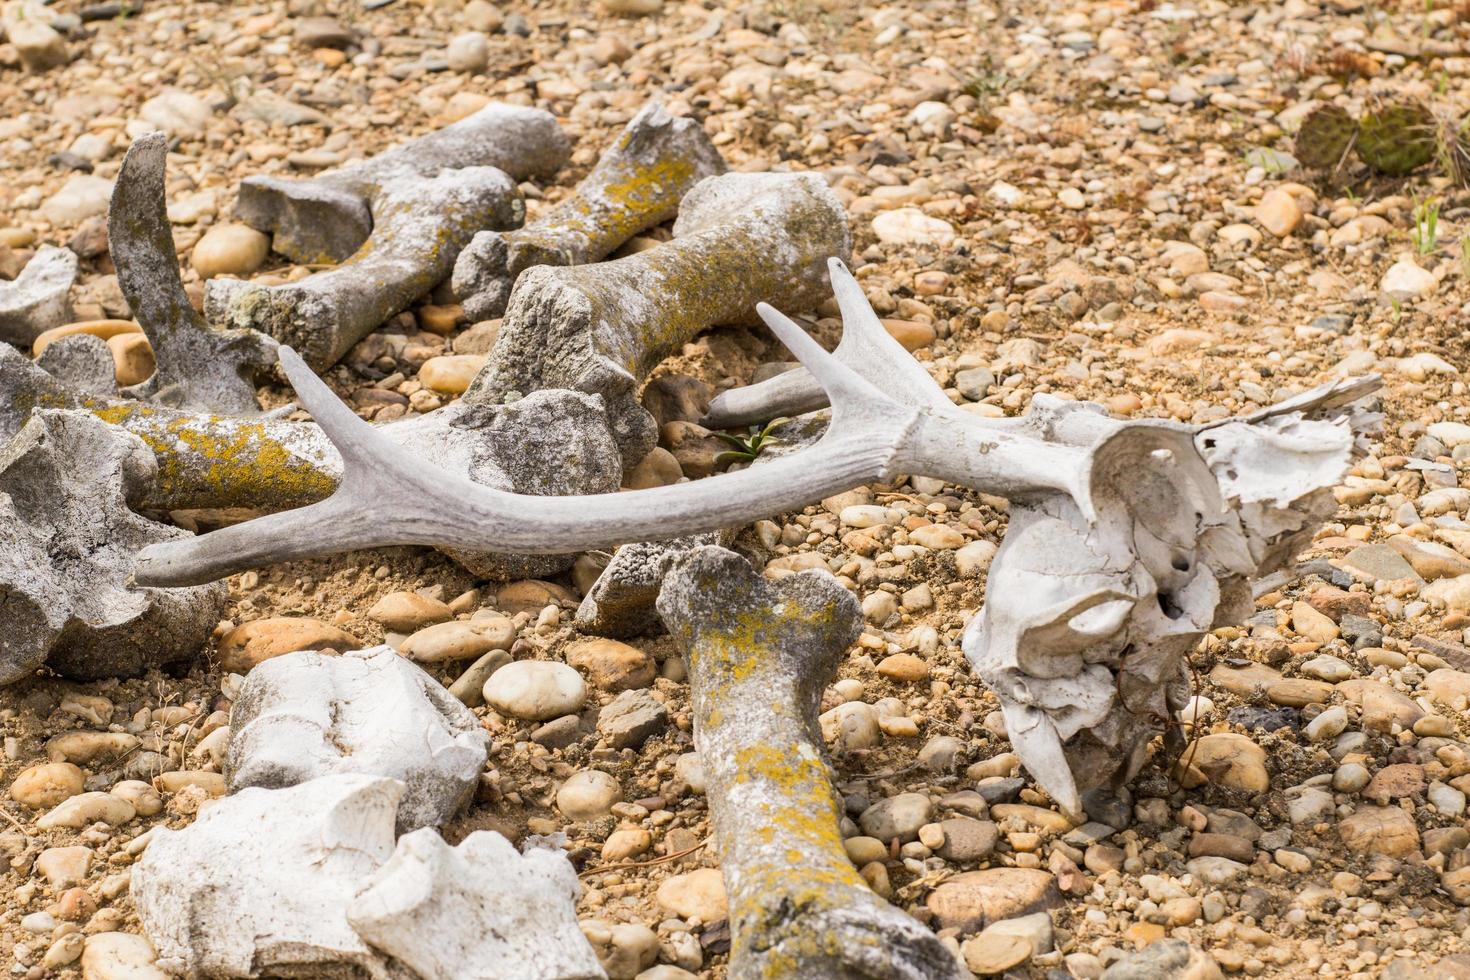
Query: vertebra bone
{"type": "Point", "coordinates": [601, 328]}
{"type": "Point", "coordinates": [373, 712]}
{"type": "Point", "coordinates": [637, 184]}
{"type": "Point", "coordinates": [67, 544]}
{"type": "Point", "coordinates": [38, 298]}
{"type": "Point", "coordinates": [420, 224]}
{"type": "Point", "coordinates": [759, 655]}
{"type": "Point", "coordinates": [197, 368]}
{"type": "Point", "coordinates": [329, 217]}
{"type": "Point", "coordinates": [478, 911]}
{"type": "Point", "coordinates": [278, 905]}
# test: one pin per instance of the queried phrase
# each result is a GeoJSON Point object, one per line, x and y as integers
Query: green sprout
{"type": "Point", "coordinates": [746, 449]}
{"type": "Point", "coordinates": [1426, 227]}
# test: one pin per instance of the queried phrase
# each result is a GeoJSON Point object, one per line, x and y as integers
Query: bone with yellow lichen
{"type": "Point", "coordinates": [638, 183]}
{"type": "Point", "coordinates": [760, 654]}
{"type": "Point", "coordinates": [740, 240]}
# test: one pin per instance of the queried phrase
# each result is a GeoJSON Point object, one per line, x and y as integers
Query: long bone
{"type": "Point", "coordinates": [637, 183]}
{"type": "Point", "coordinates": [740, 239]}
{"type": "Point", "coordinates": [759, 655]}
{"type": "Point", "coordinates": [421, 223]}
{"type": "Point", "coordinates": [328, 217]}
{"type": "Point", "coordinates": [197, 367]}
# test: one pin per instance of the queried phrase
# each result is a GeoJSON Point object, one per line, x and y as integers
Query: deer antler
{"type": "Point", "coordinates": [388, 496]}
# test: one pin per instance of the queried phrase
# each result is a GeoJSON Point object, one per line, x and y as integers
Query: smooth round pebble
{"type": "Point", "coordinates": [588, 794]}
{"type": "Point", "coordinates": [535, 690]}
{"type": "Point", "coordinates": [230, 249]}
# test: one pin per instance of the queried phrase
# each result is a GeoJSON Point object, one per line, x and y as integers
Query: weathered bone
{"type": "Point", "coordinates": [67, 544]}
{"type": "Point", "coordinates": [327, 218]}
{"type": "Point", "coordinates": [37, 299]}
{"type": "Point", "coordinates": [82, 362]}
{"type": "Point", "coordinates": [373, 712]}
{"type": "Point", "coordinates": [759, 654]}
{"type": "Point", "coordinates": [1127, 533]}
{"type": "Point", "coordinates": [620, 602]}
{"type": "Point", "coordinates": [602, 328]}
{"type": "Point", "coordinates": [478, 911]}
{"type": "Point", "coordinates": [420, 224]}
{"type": "Point", "coordinates": [637, 184]}
{"type": "Point", "coordinates": [788, 394]}
{"type": "Point", "coordinates": [197, 368]}
{"type": "Point", "coordinates": [278, 906]}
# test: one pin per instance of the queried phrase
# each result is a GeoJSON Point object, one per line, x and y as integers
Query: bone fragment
{"type": "Point", "coordinates": [67, 544]}
{"type": "Point", "coordinates": [198, 368]}
{"type": "Point", "coordinates": [620, 602]}
{"type": "Point", "coordinates": [637, 184]}
{"type": "Point", "coordinates": [420, 224]}
{"type": "Point", "coordinates": [327, 218]}
{"type": "Point", "coordinates": [305, 715]}
{"type": "Point", "coordinates": [37, 299]}
{"type": "Point", "coordinates": [478, 911]}
{"type": "Point", "coordinates": [278, 905]}
{"type": "Point", "coordinates": [82, 362]}
{"type": "Point", "coordinates": [760, 654]}
{"type": "Point", "coordinates": [740, 239]}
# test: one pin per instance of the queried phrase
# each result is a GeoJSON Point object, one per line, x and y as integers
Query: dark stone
{"type": "Point", "coordinates": [559, 732]}
{"type": "Point", "coordinates": [1105, 807]}
{"type": "Point", "coordinates": [1265, 719]}
{"type": "Point", "coordinates": [1001, 790]}
{"type": "Point", "coordinates": [1361, 631]}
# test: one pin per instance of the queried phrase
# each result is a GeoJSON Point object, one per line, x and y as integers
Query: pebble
{"type": "Point", "coordinates": [911, 226]}
{"type": "Point", "coordinates": [967, 840]}
{"type": "Point", "coordinates": [700, 894]}
{"type": "Point", "coordinates": [633, 8]}
{"type": "Point", "coordinates": [1231, 760]}
{"type": "Point", "coordinates": [81, 197]}
{"type": "Point", "coordinates": [39, 46]}
{"type": "Point", "coordinates": [408, 611]}
{"type": "Point", "coordinates": [445, 642]}
{"type": "Point", "coordinates": [536, 690]}
{"type": "Point", "coordinates": [632, 718]}
{"type": "Point", "coordinates": [587, 795]}
{"type": "Point", "coordinates": [973, 560]}
{"type": "Point", "coordinates": [1406, 280]}
{"type": "Point", "coordinates": [1279, 212]}
{"type": "Point", "coordinates": [1385, 830]}
{"type": "Point", "coordinates": [1329, 724]}
{"type": "Point", "coordinates": [994, 952]}
{"type": "Point", "coordinates": [132, 358]}
{"type": "Point", "coordinates": [898, 816]}
{"type": "Point", "coordinates": [85, 809]}
{"type": "Point", "coordinates": [229, 249]}
{"type": "Point", "coordinates": [851, 726]}
{"type": "Point", "coordinates": [973, 898]}
{"type": "Point", "coordinates": [468, 52]}
{"type": "Point", "coordinates": [63, 867]}
{"type": "Point", "coordinates": [904, 668]}
{"type": "Point", "coordinates": [451, 373]}
{"type": "Point", "coordinates": [624, 949]}
{"type": "Point", "coordinates": [177, 113]}
{"type": "Point", "coordinates": [249, 644]}
{"type": "Point", "coordinates": [119, 956]}
{"type": "Point", "coordinates": [611, 665]}
{"type": "Point", "coordinates": [46, 785]}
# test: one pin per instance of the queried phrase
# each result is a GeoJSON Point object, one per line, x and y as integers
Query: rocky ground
{"type": "Point", "coordinates": [1093, 199]}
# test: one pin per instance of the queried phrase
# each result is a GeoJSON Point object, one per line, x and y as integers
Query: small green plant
{"type": "Point", "coordinates": [1426, 227]}
{"type": "Point", "coordinates": [744, 449]}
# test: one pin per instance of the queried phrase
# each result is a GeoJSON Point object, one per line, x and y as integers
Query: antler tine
{"type": "Point", "coordinates": [388, 496]}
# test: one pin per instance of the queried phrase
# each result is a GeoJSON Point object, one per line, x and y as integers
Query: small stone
{"type": "Point", "coordinates": [1385, 830]}
{"type": "Point", "coordinates": [851, 726]}
{"type": "Point", "coordinates": [623, 845]}
{"type": "Point", "coordinates": [46, 785]}
{"type": "Point", "coordinates": [40, 46]}
{"type": "Point", "coordinates": [1329, 724]}
{"type": "Point", "coordinates": [1279, 212]}
{"type": "Point", "coordinates": [85, 809]}
{"type": "Point", "coordinates": [995, 952]}
{"type": "Point", "coordinates": [898, 816]}
{"type": "Point", "coordinates": [1311, 624]}
{"type": "Point", "coordinates": [451, 373]}
{"type": "Point", "coordinates": [967, 840]}
{"type": "Point", "coordinates": [405, 612]}
{"type": "Point", "coordinates": [81, 197]}
{"type": "Point", "coordinates": [119, 956]}
{"type": "Point", "coordinates": [912, 335]}
{"type": "Point", "coordinates": [1380, 562]}
{"type": "Point", "coordinates": [1222, 845]}
{"type": "Point", "coordinates": [1225, 759]}
{"type": "Point", "coordinates": [700, 894]}
{"type": "Point", "coordinates": [1165, 959]}
{"type": "Point", "coordinates": [132, 358]}
{"type": "Point", "coordinates": [468, 52]}
{"type": "Point", "coordinates": [247, 645]}
{"type": "Point", "coordinates": [1297, 692]}
{"type": "Point", "coordinates": [973, 560]}
{"type": "Point", "coordinates": [937, 537]}
{"type": "Point", "coordinates": [536, 690]}
{"type": "Point", "coordinates": [970, 900]}
{"type": "Point", "coordinates": [1406, 280]}
{"type": "Point", "coordinates": [611, 665]}
{"type": "Point", "coordinates": [532, 595]}
{"type": "Point", "coordinates": [660, 468]}
{"type": "Point", "coordinates": [1215, 870]}
{"type": "Point", "coordinates": [230, 249]}
{"type": "Point", "coordinates": [633, 8]}
{"type": "Point", "coordinates": [631, 719]}
{"type": "Point", "coordinates": [63, 867]}
{"type": "Point", "coordinates": [446, 642]}
{"type": "Point", "coordinates": [911, 226]}
{"type": "Point", "coordinates": [624, 949]}
{"type": "Point", "coordinates": [178, 113]}
{"type": "Point", "coordinates": [1381, 706]}
{"type": "Point", "coordinates": [587, 795]}
{"type": "Point", "coordinates": [1395, 782]}
{"type": "Point", "coordinates": [64, 951]}
{"type": "Point", "coordinates": [903, 667]}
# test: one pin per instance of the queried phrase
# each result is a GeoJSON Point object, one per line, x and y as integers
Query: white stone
{"type": "Point", "coordinates": [1329, 724]}
{"type": "Point", "coordinates": [177, 113]}
{"type": "Point", "coordinates": [536, 690]}
{"type": "Point", "coordinates": [1405, 280]}
{"type": "Point", "coordinates": [81, 197]}
{"type": "Point", "coordinates": [262, 879]}
{"type": "Point", "coordinates": [476, 910]}
{"type": "Point", "coordinates": [468, 52]}
{"type": "Point", "coordinates": [119, 956]}
{"type": "Point", "coordinates": [588, 794]}
{"type": "Point", "coordinates": [304, 715]}
{"type": "Point", "coordinates": [911, 226]}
